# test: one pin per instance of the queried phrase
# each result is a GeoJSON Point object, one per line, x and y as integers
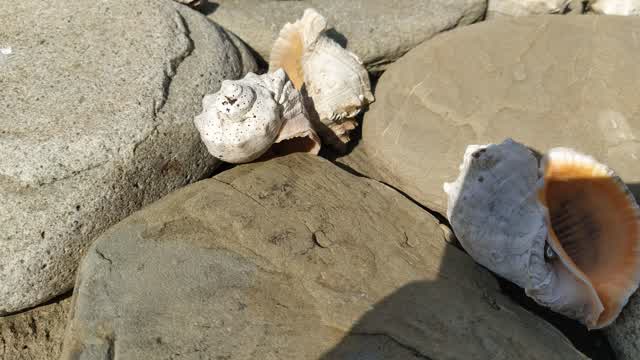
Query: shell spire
{"type": "Point", "coordinates": [333, 79]}
{"type": "Point", "coordinates": [567, 231]}
{"type": "Point", "coordinates": [246, 117]}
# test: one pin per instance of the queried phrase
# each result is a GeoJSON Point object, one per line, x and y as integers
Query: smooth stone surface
{"type": "Point", "coordinates": [378, 31]}
{"type": "Point", "coordinates": [293, 258]}
{"type": "Point", "coordinates": [544, 81]}
{"type": "Point", "coordinates": [35, 334]}
{"type": "Point", "coordinates": [97, 120]}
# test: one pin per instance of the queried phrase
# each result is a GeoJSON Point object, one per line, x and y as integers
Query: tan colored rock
{"type": "Point", "coordinates": [293, 258]}
{"type": "Point", "coordinates": [544, 81]}
{"type": "Point", "coordinates": [35, 334]}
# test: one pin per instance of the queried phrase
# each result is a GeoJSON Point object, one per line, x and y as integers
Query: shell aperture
{"type": "Point", "coordinates": [334, 80]}
{"type": "Point", "coordinates": [572, 204]}
{"type": "Point", "coordinates": [594, 226]}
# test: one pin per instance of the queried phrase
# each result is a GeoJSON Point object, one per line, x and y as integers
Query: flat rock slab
{"type": "Point", "coordinates": [293, 258]}
{"type": "Point", "coordinates": [545, 81]}
{"type": "Point", "coordinates": [97, 120]}
{"type": "Point", "coordinates": [35, 334]}
{"type": "Point", "coordinates": [378, 31]}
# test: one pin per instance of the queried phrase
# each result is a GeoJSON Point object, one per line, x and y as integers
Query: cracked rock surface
{"type": "Point", "coordinates": [292, 258]}
{"type": "Point", "coordinates": [378, 42]}
{"type": "Point", "coordinates": [97, 108]}
{"type": "Point", "coordinates": [545, 81]}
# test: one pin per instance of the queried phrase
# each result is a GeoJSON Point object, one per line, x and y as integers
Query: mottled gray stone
{"type": "Point", "coordinates": [97, 120]}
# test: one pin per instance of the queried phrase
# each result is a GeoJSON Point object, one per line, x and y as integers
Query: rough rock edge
{"type": "Point", "coordinates": [170, 72]}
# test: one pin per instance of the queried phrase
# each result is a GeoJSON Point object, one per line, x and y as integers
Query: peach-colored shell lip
{"type": "Point", "coordinates": [559, 158]}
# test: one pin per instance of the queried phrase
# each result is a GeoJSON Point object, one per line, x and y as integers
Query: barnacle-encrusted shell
{"type": "Point", "coordinates": [240, 122]}
{"type": "Point", "coordinates": [568, 234]}
{"type": "Point", "coordinates": [334, 78]}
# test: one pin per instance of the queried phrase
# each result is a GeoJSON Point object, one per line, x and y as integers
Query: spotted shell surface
{"type": "Point", "coordinates": [246, 117]}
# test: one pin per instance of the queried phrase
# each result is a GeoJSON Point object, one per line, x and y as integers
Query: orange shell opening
{"type": "Point", "coordinates": [287, 54]}
{"type": "Point", "coordinates": [595, 229]}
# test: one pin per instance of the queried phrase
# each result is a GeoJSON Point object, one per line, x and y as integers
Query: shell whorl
{"type": "Point", "coordinates": [234, 100]}
{"type": "Point", "coordinates": [246, 117]}
{"type": "Point", "coordinates": [241, 121]}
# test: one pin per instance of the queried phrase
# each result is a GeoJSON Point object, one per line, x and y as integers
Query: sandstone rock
{"type": "Point", "coordinates": [378, 31]}
{"type": "Point", "coordinates": [544, 81]}
{"type": "Point", "coordinates": [35, 334]}
{"type": "Point", "coordinates": [293, 258]}
{"type": "Point", "coordinates": [97, 119]}
{"type": "Point", "coordinates": [498, 8]}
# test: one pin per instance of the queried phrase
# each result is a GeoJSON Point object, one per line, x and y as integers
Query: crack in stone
{"type": "Point", "coordinates": [241, 192]}
{"type": "Point", "coordinates": [104, 257]}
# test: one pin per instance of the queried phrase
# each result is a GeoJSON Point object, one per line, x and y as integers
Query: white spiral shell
{"type": "Point", "coordinates": [246, 117]}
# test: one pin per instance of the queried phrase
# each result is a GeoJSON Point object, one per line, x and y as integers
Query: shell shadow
{"type": "Point", "coordinates": [635, 190]}
{"type": "Point", "coordinates": [337, 37]}
{"type": "Point", "coordinates": [206, 7]}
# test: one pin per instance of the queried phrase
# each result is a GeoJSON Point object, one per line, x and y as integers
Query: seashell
{"type": "Point", "coordinates": [246, 117]}
{"type": "Point", "coordinates": [615, 7]}
{"type": "Point", "coordinates": [334, 79]}
{"type": "Point", "coordinates": [568, 232]}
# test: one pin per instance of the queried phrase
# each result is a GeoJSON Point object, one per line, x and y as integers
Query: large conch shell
{"type": "Point", "coordinates": [567, 232]}
{"type": "Point", "coordinates": [615, 7]}
{"type": "Point", "coordinates": [246, 117]}
{"type": "Point", "coordinates": [333, 77]}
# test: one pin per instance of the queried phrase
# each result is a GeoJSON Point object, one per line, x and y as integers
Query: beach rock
{"type": "Point", "coordinates": [293, 258]}
{"type": "Point", "coordinates": [35, 334]}
{"type": "Point", "coordinates": [97, 120]}
{"type": "Point", "coordinates": [398, 26]}
{"type": "Point", "coordinates": [544, 81]}
{"type": "Point", "coordinates": [624, 334]}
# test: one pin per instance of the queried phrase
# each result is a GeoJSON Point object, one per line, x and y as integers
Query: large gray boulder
{"type": "Point", "coordinates": [97, 120]}
{"type": "Point", "coordinates": [35, 334]}
{"type": "Point", "coordinates": [545, 81]}
{"type": "Point", "coordinates": [293, 258]}
{"type": "Point", "coordinates": [378, 31]}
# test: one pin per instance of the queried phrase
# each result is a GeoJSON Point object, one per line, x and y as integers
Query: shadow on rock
{"type": "Point", "coordinates": [453, 319]}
